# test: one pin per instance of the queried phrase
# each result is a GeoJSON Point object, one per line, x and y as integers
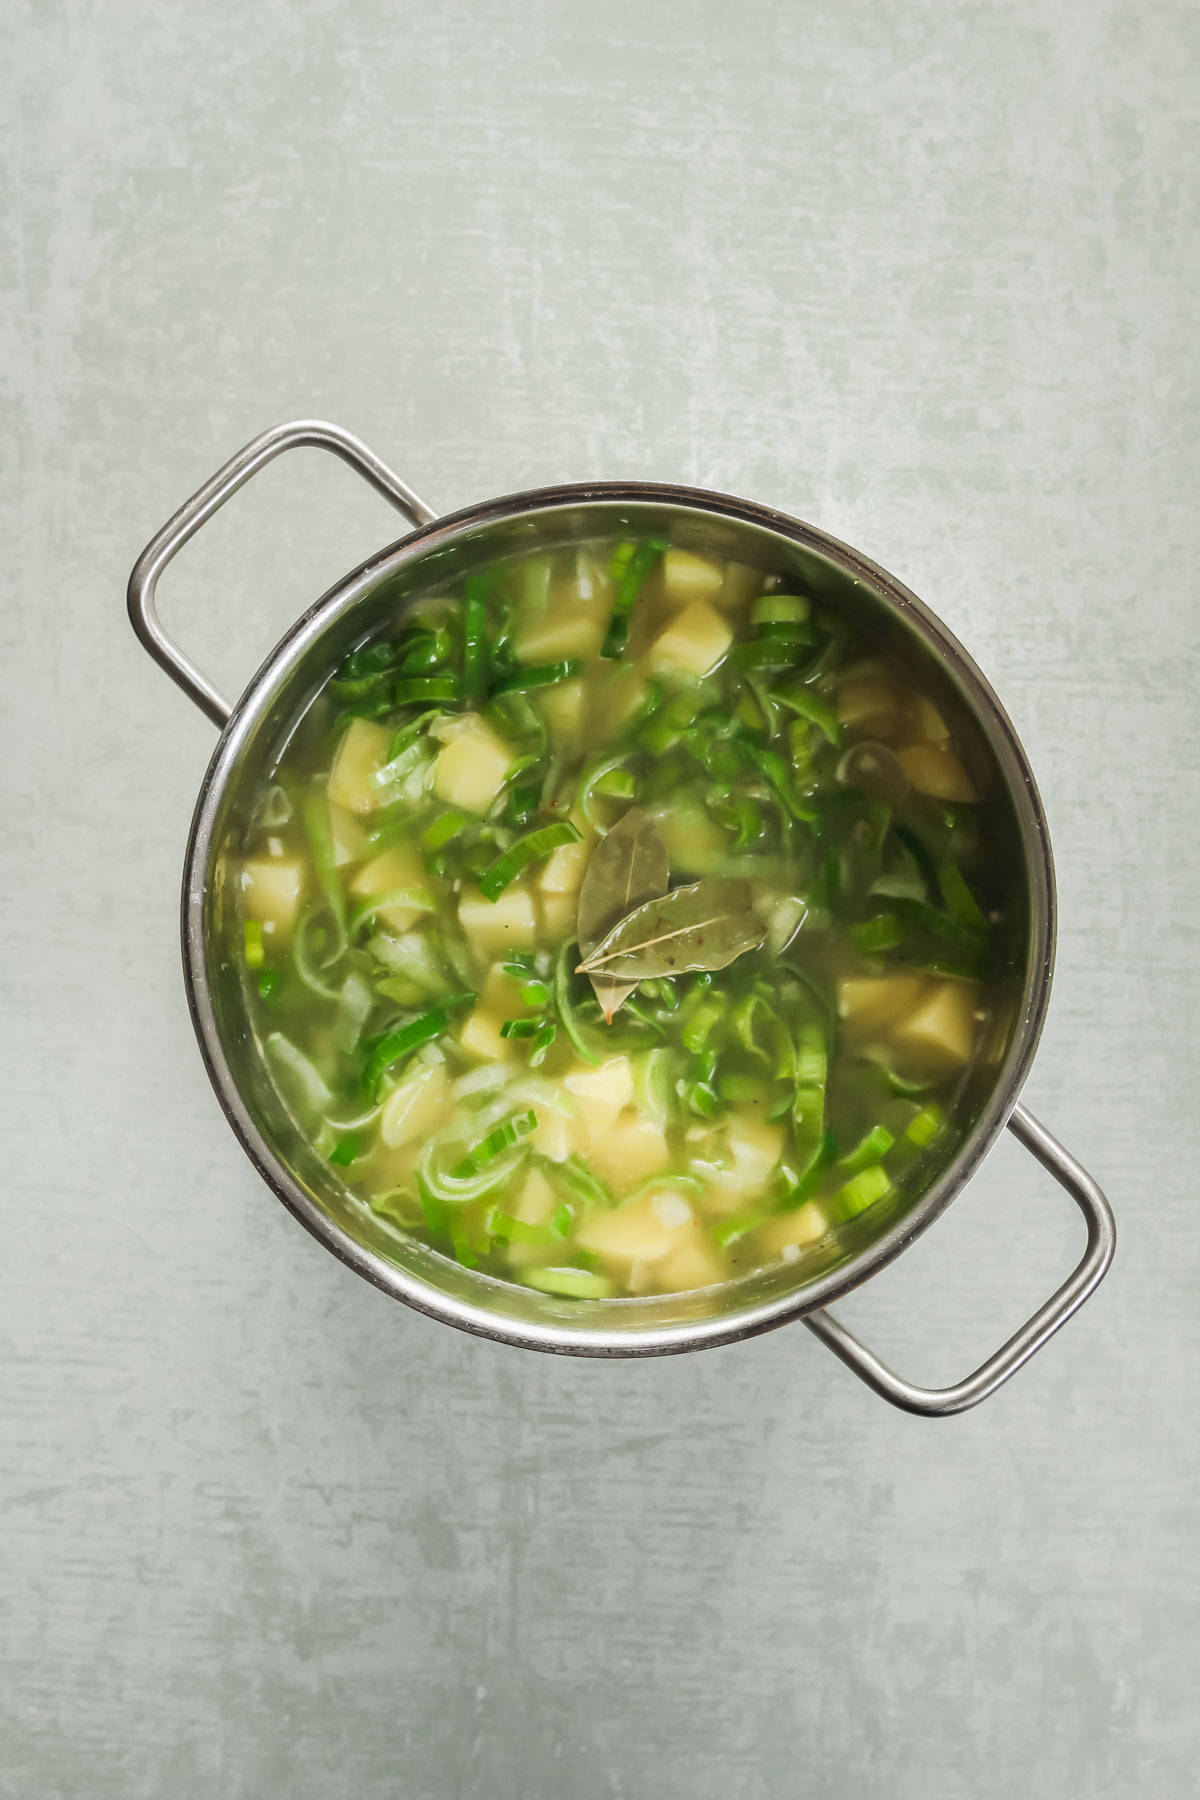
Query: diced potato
{"type": "Point", "coordinates": [868, 1001]}
{"type": "Point", "coordinates": [617, 697]}
{"type": "Point", "coordinates": [500, 999]}
{"type": "Point", "coordinates": [754, 1147]}
{"type": "Point", "coordinates": [481, 1036]}
{"type": "Point", "coordinates": [755, 1143]}
{"type": "Point", "coordinates": [741, 585]}
{"type": "Point", "coordinates": [686, 577]}
{"type": "Point", "coordinates": [629, 1235]}
{"type": "Point", "coordinates": [930, 726]}
{"type": "Point", "coordinates": [558, 633]}
{"type": "Point", "coordinates": [600, 1094]}
{"type": "Point", "coordinates": [562, 708]}
{"type": "Point", "coordinates": [940, 1032]}
{"type": "Point", "coordinates": [562, 871]}
{"type": "Point", "coordinates": [697, 1263]}
{"type": "Point", "coordinates": [558, 917]}
{"type": "Point", "coordinates": [397, 869]}
{"type": "Point", "coordinates": [793, 1230]}
{"type": "Point", "coordinates": [869, 703]}
{"type": "Point", "coordinates": [935, 769]}
{"type": "Point", "coordinates": [470, 770]}
{"type": "Point", "coordinates": [694, 641]}
{"type": "Point", "coordinates": [346, 835]}
{"type": "Point", "coordinates": [361, 753]}
{"type": "Point", "coordinates": [630, 1153]}
{"type": "Point", "coordinates": [537, 1201]}
{"type": "Point", "coordinates": [271, 891]}
{"type": "Point", "coordinates": [554, 1135]}
{"type": "Point", "coordinates": [693, 840]}
{"type": "Point", "coordinates": [411, 1112]}
{"type": "Point", "coordinates": [493, 927]}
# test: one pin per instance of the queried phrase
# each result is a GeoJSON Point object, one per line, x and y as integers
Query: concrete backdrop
{"type": "Point", "coordinates": [923, 274]}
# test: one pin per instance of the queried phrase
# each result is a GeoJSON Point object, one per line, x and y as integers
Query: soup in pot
{"type": "Point", "coordinates": [620, 922]}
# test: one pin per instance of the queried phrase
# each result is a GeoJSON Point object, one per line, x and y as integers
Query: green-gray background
{"type": "Point", "coordinates": [923, 273]}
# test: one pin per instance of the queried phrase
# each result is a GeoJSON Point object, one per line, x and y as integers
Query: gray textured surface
{"type": "Point", "coordinates": [924, 274]}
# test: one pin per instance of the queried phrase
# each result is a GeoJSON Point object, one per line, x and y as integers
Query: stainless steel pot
{"type": "Point", "coordinates": [252, 732]}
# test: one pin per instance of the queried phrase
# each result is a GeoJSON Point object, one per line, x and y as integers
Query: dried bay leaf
{"type": "Point", "coordinates": [704, 926]}
{"type": "Point", "coordinates": [627, 868]}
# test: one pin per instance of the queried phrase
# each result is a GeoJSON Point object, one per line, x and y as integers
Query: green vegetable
{"type": "Point", "coordinates": [779, 609]}
{"type": "Point", "coordinates": [808, 1104]}
{"type": "Point", "coordinates": [630, 575]}
{"type": "Point", "coordinates": [565, 1006]}
{"type": "Point", "coordinates": [542, 675]}
{"type": "Point", "coordinates": [959, 899]}
{"type": "Point", "coordinates": [403, 1039]}
{"type": "Point", "coordinates": [474, 638]}
{"type": "Point", "coordinates": [573, 1284]}
{"type": "Point", "coordinates": [425, 687]}
{"type": "Point", "coordinates": [314, 811]}
{"type": "Point", "coordinates": [803, 701]}
{"type": "Point", "coordinates": [863, 1190]}
{"type": "Point", "coordinates": [252, 939]}
{"type": "Point", "coordinates": [925, 1127]}
{"type": "Point", "coordinates": [502, 1138]}
{"type": "Point", "coordinates": [444, 829]}
{"type": "Point", "coordinates": [530, 849]}
{"type": "Point", "coordinates": [883, 932]}
{"type": "Point", "coordinates": [873, 1148]}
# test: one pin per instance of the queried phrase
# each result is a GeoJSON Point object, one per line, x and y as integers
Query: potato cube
{"type": "Point", "coordinates": [930, 726]}
{"type": "Point", "coordinates": [694, 841]}
{"type": "Point", "coordinates": [502, 992]}
{"type": "Point", "coordinates": [470, 770]}
{"type": "Point", "coordinates": [600, 1094]}
{"type": "Point", "coordinates": [558, 916]}
{"type": "Point", "coordinates": [554, 1135]}
{"type": "Point", "coordinates": [741, 585]}
{"type": "Point", "coordinates": [346, 835]}
{"type": "Point", "coordinates": [866, 1002]}
{"type": "Point", "coordinates": [562, 708]}
{"type": "Point", "coordinates": [940, 1032]}
{"type": "Point", "coordinates": [537, 1200]}
{"type": "Point", "coordinates": [755, 1144]}
{"type": "Point", "coordinates": [493, 927]}
{"type": "Point", "coordinates": [617, 697]}
{"type": "Point", "coordinates": [480, 1036]}
{"type": "Point", "coordinates": [694, 641]}
{"type": "Point", "coordinates": [271, 891]}
{"type": "Point", "coordinates": [871, 704]}
{"type": "Point", "coordinates": [629, 1235]}
{"type": "Point", "coordinates": [570, 629]}
{"type": "Point", "coordinates": [412, 1110]}
{"type": "Point", "coordinates": [361, 753]}
{"type": "Point", "coordinates": [630, 1153]}
{"type": "Point", "coordinates": [935, 769]}
{"type": "Point", "coordinates": [398, 869]}
{"type": "Point", "coordinates": [562, 871]}
{"type": "Point", "coordinates": [686, 577]}
{"type": "Point", "coordinates": [793, 1230]}
{"type": "Point", "coordinates": [697, 1263]}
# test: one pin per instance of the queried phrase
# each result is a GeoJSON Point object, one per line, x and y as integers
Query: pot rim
{"type": "Point", "coordinates": [759, 1315]}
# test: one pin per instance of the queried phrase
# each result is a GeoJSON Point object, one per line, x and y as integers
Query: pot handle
{"type": "Point", "coordinates": [1089, 1272]}
{"type": "Point", "coordinates": [308, 433]}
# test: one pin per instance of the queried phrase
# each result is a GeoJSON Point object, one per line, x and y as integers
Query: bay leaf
{"type": "Point", "coordinates": [704, 926]}
{"type": "Point", "coordinates": [627, 868]}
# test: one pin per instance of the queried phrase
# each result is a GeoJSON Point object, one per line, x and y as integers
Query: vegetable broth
{"type": "Point", "coordinates": [620, 922]}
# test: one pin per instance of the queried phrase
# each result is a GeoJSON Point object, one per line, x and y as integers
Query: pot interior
{"type": "Point", "coordinates": [256, 738]}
